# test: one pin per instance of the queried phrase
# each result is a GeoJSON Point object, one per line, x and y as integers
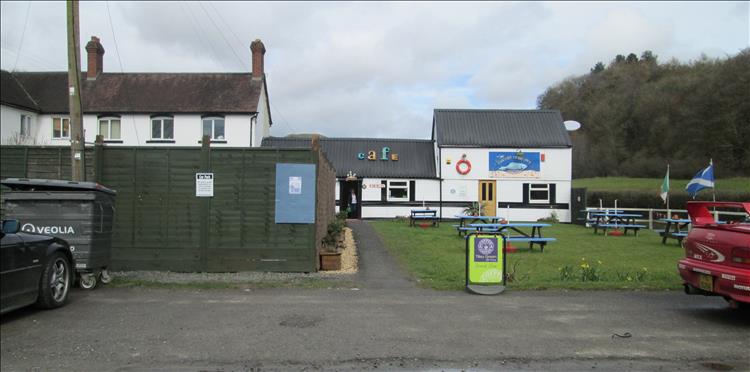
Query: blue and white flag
{"type": "Point", "coordinates": [702, 180]}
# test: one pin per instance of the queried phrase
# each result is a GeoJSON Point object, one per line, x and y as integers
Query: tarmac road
{"type": "Point", "coordinates": [386, 323]}
{"type": "Point", "coordinates": [344, 329]}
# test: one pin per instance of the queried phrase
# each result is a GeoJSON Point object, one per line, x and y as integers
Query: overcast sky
{"type": "Point", "coordinates": [377, 69]}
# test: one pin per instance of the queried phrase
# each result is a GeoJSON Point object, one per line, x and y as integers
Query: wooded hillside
{"type": "Point", "coordinates": [637, 115]}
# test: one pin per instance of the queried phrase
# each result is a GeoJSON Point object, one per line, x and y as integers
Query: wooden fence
{"type": "Point", "coordinates": [161, 225]}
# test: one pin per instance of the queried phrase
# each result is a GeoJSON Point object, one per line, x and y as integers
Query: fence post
{"type": "Point", "coordinates": [650, 218]}
{"type": "Point", "coordinates": [98, 158]}
{"type": "Point", "coordinates": [205, 166]}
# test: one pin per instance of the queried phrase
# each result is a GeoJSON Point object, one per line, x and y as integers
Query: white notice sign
{"type": "Point", "coordinates": [204, 184]}
{"type": "Point", "coordinates": [295, 185]}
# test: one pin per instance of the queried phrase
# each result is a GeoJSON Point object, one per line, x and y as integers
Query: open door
{"type": "Point", "coordinates": [345, 197]}
{"type": "Point", "coordinates": [488, 197]}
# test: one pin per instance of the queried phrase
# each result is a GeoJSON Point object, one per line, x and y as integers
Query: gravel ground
{"type": "Point", "coordinates": [349, 261]}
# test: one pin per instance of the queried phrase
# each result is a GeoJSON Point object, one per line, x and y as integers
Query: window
{"type": "Point", "coordinates": [109, 128]}
{"type": "Point", "coordinates": [60, 128]}
{"type": "Point", "coordinates": [25, 126]}
{"type": "Point", "coordinates": [398, 190]}
{"type": "Point", "coordinates": [162, 128]}
{"type": "Point", "coordinates": [539, 193]}
{"type": "Point", "coordinates": [214, 128]}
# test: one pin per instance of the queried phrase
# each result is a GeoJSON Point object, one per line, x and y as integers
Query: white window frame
{"type": "Point", "coordinates": [161, 120]}
{"type": "Point", "coordinates": [213, 120]}
{"type": "Point", "coordinates": [63, 120]}
{"type": "Point", "coordinates": [25, 129]}
{"type": "Point", "coordinates": [109, 120]}
{"type": "Point", "coordinates": [398, 185]}
{"type": "Point", "coordinates": [539, 187]}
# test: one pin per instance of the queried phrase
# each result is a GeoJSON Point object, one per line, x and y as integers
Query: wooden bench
{"type": "Point", "coordinates": [424, 215]}
{"type": "Point", "coordinates": [532, 240]}
{"type": "Point", "coordinates": [605, 226]}
{"type": "Point", "coordinates": [677, 235]}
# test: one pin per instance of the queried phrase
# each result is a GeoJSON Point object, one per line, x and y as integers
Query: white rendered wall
{"type": "Point", "coordinates": [556, 169]}
{"type": "Point", "coordinates": [135, 130]}
{"type": "Point", "coordinates": [10, 125]}
{"type": "Point", "coordinates": [263, 122]}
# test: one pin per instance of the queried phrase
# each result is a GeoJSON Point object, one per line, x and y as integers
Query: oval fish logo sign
{"type": "Point", "coordinates": [48, 230]}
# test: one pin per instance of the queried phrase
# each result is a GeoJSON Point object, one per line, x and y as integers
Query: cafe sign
{"type": "Point", "coordinates": [514, 164]}
{"type": "Point", "coordinates": [385, 154]}
{"type": "Point", "coordinates": [485, 264]}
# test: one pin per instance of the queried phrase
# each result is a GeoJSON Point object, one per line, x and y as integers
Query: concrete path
{"type": "Point", "coordinates": [377, 268]}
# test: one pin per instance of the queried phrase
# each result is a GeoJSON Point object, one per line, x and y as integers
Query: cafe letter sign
{"type": "Point", "coordinates": [485, 264]}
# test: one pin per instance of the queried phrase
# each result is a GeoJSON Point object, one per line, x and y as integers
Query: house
{"type": "Point", "coordinates": [517, 163]}
{"type": "Point", "coordinates": [389, 177]}
{"type": "Point", "coordinates": [138, 109]}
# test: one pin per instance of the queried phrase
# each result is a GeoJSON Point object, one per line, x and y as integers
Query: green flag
{"type": "Point", "coordinates": [665, 186]}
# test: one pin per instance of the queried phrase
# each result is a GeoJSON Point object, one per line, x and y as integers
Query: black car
{"type": "Point", "coordinates": [34, 269]}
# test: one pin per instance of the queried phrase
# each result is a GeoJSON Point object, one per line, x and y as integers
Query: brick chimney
{"type": "Point", "coordinates": [258, 50]}
{"type": "Point", "coordinates": [95, 52]}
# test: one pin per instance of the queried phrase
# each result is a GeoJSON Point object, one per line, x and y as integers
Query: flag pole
{"type": "Point", "coordinates": [669, 214]}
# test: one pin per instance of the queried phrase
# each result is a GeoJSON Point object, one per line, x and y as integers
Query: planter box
{"type": "Point", "coordinates": [330, 261]}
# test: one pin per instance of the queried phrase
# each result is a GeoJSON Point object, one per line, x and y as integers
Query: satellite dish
{"type": "Point", "coordinates": [572, 125]}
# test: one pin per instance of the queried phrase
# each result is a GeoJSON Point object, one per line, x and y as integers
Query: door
{"type": "Point", "coordinates": [19, 285]}
{"type": "Point", "coordinates": [488, 197]}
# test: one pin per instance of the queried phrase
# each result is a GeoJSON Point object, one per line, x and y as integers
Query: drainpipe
{"type": "Point", "coordinates": [253, 124]}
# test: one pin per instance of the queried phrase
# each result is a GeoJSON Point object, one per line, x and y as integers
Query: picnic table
{"type": "Point", "coordinates": [624, 221]}
{"type": "Point", "coordinates": [424, 215]}
{"type": "Point", "coordinates": [675, 228]}
{"type": "Point", "coordinates": [465, 220]}
{"type": "Point", "coordinates": [535, 237]}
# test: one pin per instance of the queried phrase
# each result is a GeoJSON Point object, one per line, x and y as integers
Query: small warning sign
{"type": "Point", "coordinates": [204, 184]}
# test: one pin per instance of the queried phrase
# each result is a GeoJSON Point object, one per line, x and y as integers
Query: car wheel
{"type": "Point", "coordinates": [55, 282]}
{"type": "Point", "coordinates": [105, 277]}
{"type": "Point", "coordinates": [87, 281]}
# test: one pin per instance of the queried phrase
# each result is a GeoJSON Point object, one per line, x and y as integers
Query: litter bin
{"type": "Point", "coordinates": [81, 213]}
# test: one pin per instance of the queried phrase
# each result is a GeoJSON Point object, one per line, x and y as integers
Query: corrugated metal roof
{"type": "Point", "coordinates": [500, 128]}
{"type": "Point", "coordinates": [416, 158]}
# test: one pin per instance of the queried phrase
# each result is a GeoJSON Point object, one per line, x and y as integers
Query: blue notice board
{"type": "Point", "coordinates": [295, 193]}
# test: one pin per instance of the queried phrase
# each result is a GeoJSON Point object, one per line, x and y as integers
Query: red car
{"type": "Point", "coordinates": [717, 255]}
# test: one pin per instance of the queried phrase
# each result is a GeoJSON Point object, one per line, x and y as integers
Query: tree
{"type": "Point", "coordinates": [638, 115]}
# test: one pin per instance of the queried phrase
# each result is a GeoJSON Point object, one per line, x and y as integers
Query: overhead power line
{"type": "Point", "coordinates": [200, 33]}
{"type": "Point", "coordinates": [23, 34]}
{"type": "Point", "coordinates": [221, 33]}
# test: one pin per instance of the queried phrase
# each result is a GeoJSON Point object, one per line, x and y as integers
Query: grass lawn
{"type": "Point", "coordinates": [652, 184]}
{"type": "Point", "coordinates": [436, 257]}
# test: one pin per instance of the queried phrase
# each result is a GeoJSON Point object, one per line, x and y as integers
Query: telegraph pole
{"type": "Point", "coordinates": [74, 94]}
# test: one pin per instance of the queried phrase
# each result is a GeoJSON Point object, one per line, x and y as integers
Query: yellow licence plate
{"type": "Point", "coordinates": [706, 282]}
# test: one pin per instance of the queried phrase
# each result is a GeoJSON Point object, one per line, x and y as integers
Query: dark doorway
{"type": "Point", "coordinates": [345, 197]}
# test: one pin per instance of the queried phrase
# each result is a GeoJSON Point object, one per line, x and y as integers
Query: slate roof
{"type": "Point", "coordinates": [500, 128]}
{"type": "Point", "coordinates": [13, 94]}
{"type": "Point", "coordinates": [139, 92]}
{"type": "Point", "coordinates": [416, 157]}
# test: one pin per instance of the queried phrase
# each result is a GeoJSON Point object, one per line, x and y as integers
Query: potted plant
{"type": "Point", "coordinates": [474, 209]}
{"type": "Point", "coordinates": [330, 256]}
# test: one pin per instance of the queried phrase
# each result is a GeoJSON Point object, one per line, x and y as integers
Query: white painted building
{"type": "Point", "coordinates": [138, 109]}
{"type": "Point", "coordinates": [517, 163]}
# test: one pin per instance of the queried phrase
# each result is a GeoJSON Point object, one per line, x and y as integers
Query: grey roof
{"type": "Point", "coordinates": [416, 158]}
{"type": "Point", "coordinates": [500, 128]}
{"type": "Point", "coordinates": [46, 92]}
{"type": "Point", "coordinates": [13, 94]}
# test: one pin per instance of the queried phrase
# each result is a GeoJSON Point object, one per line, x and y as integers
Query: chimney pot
{"type": "Point", "coordinates": [95, 52]}
{"type": "Point", "coordinates": [258, 50]}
